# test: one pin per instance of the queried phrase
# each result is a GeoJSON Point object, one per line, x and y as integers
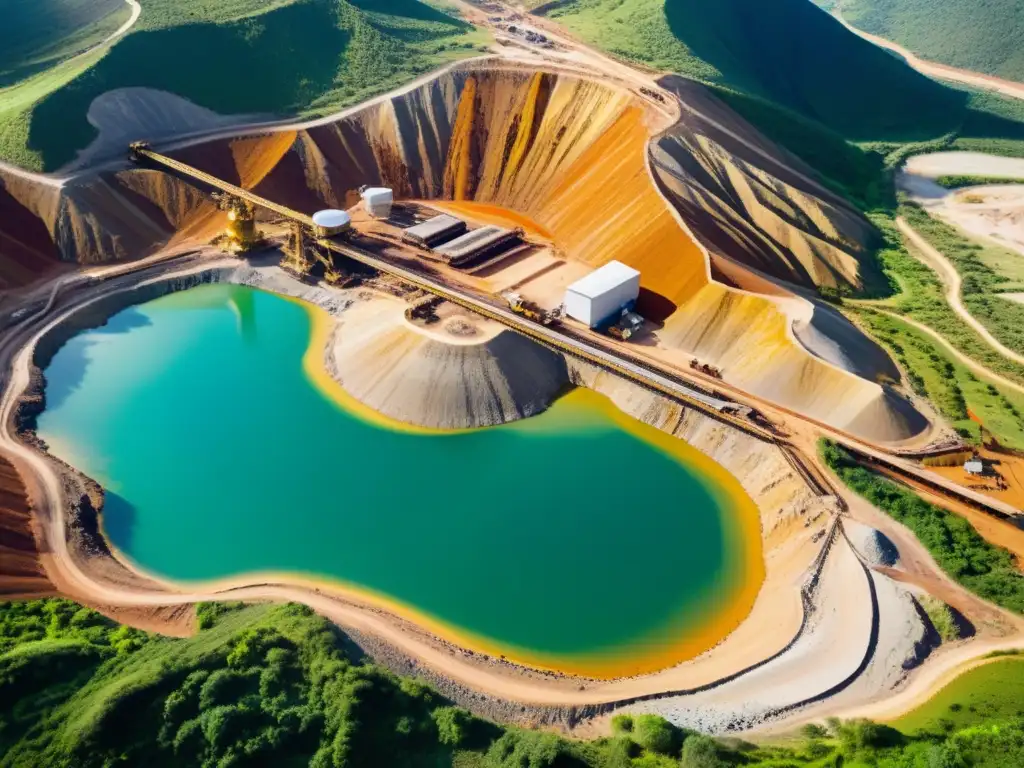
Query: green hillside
{"type": "Point", "coordinates": [805, 81]}
{"type": "Point", "coordinates": [236, 56]}
{"type": "Point", "coordinates": [37, 34]}
{"type": "Point", "coordinates": [280, 686]}
{"type": "Point", "coordinates": [788, 52]}
{"type": "Point", "coordinates": [982, 36]}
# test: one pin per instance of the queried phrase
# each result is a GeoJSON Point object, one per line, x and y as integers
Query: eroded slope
{"type": "Point", "coordinates": [574, 156]}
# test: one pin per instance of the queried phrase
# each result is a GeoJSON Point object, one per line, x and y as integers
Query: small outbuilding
{"type": "Point", "coordinates": [331, 222]}
{"type": "Point", "coordinates": [974, 466]}
{"type": "Point", "coordinates": [602, 294]}
{"type": "Point", "coordinates": [377, 201]}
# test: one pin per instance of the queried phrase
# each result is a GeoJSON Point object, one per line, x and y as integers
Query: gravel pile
{"type": "Point", "coordinates": [872, 545]}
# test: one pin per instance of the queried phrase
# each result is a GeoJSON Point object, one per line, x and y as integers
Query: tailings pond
{"type": "Point", "coordinates": [579, 539]}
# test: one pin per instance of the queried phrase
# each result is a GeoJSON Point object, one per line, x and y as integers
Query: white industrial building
{"type": "Point", "coordinates": [602, 294]}
{"type": "Point", "coordinates": [377, 201]}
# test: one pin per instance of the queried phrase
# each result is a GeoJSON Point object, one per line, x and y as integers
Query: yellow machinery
{"type": "Point", "coordinates": [530, 310]}
{"type": "Point", "coordinates": [241, 235]}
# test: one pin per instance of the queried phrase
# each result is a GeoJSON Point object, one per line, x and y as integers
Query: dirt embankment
{"type": "Point", "coordinates": [21, 572]}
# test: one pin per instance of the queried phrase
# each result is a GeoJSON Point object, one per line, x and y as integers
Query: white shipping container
{"type": "Point", "coordinates": [603, 293]}
{"type": "Point", "coordinates": [377, 201]}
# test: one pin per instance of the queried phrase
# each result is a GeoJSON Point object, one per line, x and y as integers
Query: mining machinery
{"type": "Point", "coordinates": [530, 310]}
{"type": "Point", "coordinates": [707, 370]}
{"type": "Point", "coordinates": [241, 235]}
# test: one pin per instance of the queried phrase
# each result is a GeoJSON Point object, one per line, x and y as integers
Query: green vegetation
{"type": "Point", "coordinates": [985, 569]}
{"type": "Point", "coordinates": [941, 617]}
{"type": "Point", "coordinates": [38, 34]}
{"type": "Point", "coordinates": [990, 693]}
{"type": "Point", "coordinates": [981, 282]}
{"type": "Point", "coordinates": [793, 55]}
{"type": "Point", "coordinates": [301, 57]}
{"type": "Point", "coordinates": [951, 386]}
{"type": "Point", "coordinates": [984, 37]}
{"type": "Point", "coordinates": [279, 685]}
{"type": "Point", "coordinates": [932, 371]}
{"type": "Point", "coordinates": [955, 182]}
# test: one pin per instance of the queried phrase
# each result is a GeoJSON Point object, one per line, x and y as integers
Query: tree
{"type": "Point", "coordinates": [701, 751]}
{"type": "Point", "coordinates": [452, 725]}
{"type": "Point", "coordinates": [655, 734]}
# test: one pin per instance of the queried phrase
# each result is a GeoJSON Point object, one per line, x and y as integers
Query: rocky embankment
{"type": "Point", "coordinates": [21, 573]}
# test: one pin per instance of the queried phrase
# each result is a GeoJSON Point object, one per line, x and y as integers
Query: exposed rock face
{"type": "Point", "coordinates": [400, 372]}
{"type": "Point", "coordinates": [749, 201]}
{"type": "Point", "coordinates": [21, 573]}
{"type": "Point", "coordinates": [575, 157]}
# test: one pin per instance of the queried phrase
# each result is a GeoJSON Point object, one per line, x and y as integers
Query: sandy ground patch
{"type": "Point", "coordinates": [965, 164]}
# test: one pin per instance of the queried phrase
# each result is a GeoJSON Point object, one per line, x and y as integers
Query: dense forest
{"type": "Point", "coordinates": [278, 685]}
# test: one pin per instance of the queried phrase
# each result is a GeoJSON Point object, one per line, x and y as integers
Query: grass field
{"type": "Point", "coordinates": [793, 55]}
{"type": "Point", "coordinates": [986, 271]}
{"type": "Point", "coordinates": [951, 387]}
{"type": "Point", "coordinates": [992, 692]}
{"type": "Point", "coordinates": [932, 371]}
{"type": "Point", "coordinates": [984, 37]}
{"type": "Point", "coordinates": [956, 182]}
{"type": "Point", "coordinates": [38, 34]}
{"type": "Point", "coordinates": [242, 56]}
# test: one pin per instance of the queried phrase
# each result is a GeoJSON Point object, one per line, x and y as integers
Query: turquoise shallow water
{"type": "Point", "coordinates": [220, 457]}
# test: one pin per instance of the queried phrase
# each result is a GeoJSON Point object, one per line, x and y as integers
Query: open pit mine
{"type": "Point", "coordinates": [467, 366]}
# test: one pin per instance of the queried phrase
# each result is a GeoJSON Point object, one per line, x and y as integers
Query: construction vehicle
{"type": "Point", "coordinates": [424, 309]}
{"type": "Point", "coordinates": [707, 370]}
{"type": "Point", "coordinates": [627, 326]}
{"type": "Point", "coordinates": [531, 310]}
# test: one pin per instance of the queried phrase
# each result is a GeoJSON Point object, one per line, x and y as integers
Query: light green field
{"type": "Point", "coordinates": [947, 383]}
{"type": "Point", "coordinates": [992, 692]}
{"type": "Point", "coordinates": [38, 34]}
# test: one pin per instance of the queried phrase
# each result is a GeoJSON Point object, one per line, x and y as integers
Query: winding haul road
{"type": "Point", "coordinates": [953, 282]}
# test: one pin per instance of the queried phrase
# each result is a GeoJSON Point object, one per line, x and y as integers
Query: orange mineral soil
{"type": "Point", "coordinates": [576, 158]}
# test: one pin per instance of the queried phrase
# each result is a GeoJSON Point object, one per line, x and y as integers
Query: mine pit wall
{"type": "Point", "coordinates": [21, 573]}
{"type": "Point", "coordinates": [572, 155]}
{"type": "Point", "coordinates": [783, 499]}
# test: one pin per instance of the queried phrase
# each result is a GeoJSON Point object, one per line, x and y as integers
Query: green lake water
{"type": "Point", "coordinates": [564, 535]}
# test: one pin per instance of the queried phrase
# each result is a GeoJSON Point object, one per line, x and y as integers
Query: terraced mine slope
{"type": "Point", "coordinates": [241, 57]}
{"type": "Point", "coordinates": [572, 156]}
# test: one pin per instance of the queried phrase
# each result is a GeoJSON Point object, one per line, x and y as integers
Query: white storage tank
{"type": "Point", "coordinates": [331, 222]}
{"type": "Point", "coordinates": [602, 294]}
{"type": "Point", "coordinates": [377, 201]}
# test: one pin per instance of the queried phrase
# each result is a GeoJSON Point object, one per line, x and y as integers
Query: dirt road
{"type": "Point", "coordinates": [1009, 88]}
{"type": "Point", "coordinates": [953, 282]}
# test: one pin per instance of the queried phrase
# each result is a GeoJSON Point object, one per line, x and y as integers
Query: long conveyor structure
{"type": "Point", "coordinates": [640, 372]}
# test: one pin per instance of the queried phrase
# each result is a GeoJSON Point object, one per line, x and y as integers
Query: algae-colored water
{"type": "Point", "coordinates": [568, 540]}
